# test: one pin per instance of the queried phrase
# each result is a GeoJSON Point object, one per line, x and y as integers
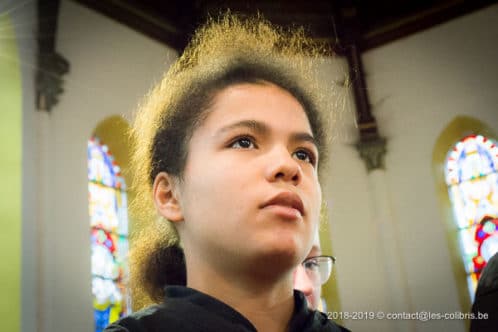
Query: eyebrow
{"type": "Point", "coordinates": [263, 129]}
{"type": "Point", "coordinates": [315, 251]}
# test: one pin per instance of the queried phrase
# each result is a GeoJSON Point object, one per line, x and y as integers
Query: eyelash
{"type": "Point", "coordinates": [238, 139]}
{"type": "Point", "coordinates": [312, 264]}
{"type": "Point", "coordinates": [310, 155]}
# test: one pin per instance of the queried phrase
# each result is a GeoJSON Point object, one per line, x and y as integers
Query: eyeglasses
{"type": "Point", "coordinates": [319, 268]}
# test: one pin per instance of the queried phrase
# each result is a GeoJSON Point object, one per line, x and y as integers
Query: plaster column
{"type": "Point", "coordinates": [372, 152]}
{"type": "Point", "coordinates": [45, 231]}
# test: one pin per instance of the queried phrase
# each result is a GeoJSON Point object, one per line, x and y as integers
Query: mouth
{"type": "Point", "coordinates": [286, 200]}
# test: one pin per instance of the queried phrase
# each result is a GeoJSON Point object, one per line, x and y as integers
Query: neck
{"type": "Point", "coordinates": [267, 305]}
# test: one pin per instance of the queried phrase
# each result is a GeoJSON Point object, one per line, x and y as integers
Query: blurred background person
{"type": "Point", "coordinates": [312, 273]}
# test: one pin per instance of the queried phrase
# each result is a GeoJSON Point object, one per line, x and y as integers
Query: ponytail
{"type": "Point", "coordinates": [156, 261]}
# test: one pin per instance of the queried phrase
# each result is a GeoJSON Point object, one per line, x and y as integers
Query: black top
{"type": "Point", "coordinates": [486, 299]}
{"type": "Point", "coordinates": [188, 310]}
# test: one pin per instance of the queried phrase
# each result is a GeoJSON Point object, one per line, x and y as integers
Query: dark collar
{"type": "Point", "coordinates": [299, 320]}
{"type": "Point", "coordinates": [206, 304]}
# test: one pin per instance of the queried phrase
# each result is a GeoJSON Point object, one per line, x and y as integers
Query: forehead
{"type": "Point", "coordinates": [263, 102]}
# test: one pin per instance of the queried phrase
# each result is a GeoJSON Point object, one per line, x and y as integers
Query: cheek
{"type": "Point", "coordinates": [315, 200]}
{"type": "Point", "coordinates": [319, 194]}
{"type": "Point", "coordinates": [211, 188]}
{"type": "Point", "coordinates": [318, 190]}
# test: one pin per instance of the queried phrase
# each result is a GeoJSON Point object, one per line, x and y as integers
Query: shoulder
{"type": "Point", "coordinates": [488, 282]}
{"type": "Point", "coordinates": [133, 322]}
{"type": "Point", "coordinates": [306, 320]}
{"type": "Point", "coordinates": [322, 323]}
{"type": "Point", "coordinates": [146, 320]}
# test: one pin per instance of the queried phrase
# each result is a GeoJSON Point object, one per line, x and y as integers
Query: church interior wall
{"type": "Point", "coordinates": [112, 67]}
{"type": "Point", "coordinates": [417, 86]}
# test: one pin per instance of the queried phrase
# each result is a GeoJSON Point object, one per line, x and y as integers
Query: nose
{"type": "Point", "coordinates": [302, 281]}
{"type": "Point", "coordinates": [283, 167]}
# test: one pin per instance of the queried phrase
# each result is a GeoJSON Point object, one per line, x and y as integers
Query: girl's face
{"type": "Point", "coordinates": [250, 190]}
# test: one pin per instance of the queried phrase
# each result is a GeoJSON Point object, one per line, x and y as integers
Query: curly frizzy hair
{"type": "Point", "coordinates": [213, 49]}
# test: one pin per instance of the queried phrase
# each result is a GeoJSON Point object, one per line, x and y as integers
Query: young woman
{"type": "Point", "coordinates": [228, 153]}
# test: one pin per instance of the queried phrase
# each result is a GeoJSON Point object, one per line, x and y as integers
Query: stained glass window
{"type": "Point", "coordinates": [109, 235]}
{"type": "Point", "coordinates": [472, 178]}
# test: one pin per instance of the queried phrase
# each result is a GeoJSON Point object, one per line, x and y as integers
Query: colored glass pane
{"type": "Point", "coordinates": [109, 235]}
{"type": "Point", "coordinates": [471, 174]}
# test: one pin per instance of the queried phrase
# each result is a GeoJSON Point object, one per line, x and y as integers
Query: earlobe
{"type": "Point", "coordinates": [165, 197]}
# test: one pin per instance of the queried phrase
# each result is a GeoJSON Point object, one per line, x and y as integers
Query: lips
{"type": "Point", "coordinates": [286, 199]}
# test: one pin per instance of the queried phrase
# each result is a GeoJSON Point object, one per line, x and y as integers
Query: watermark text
{"type": "Point", "coordinates": [423, 316]}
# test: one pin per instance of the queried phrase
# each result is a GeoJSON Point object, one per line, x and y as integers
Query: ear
{"type": "Point", "coordinates": [165, 194]}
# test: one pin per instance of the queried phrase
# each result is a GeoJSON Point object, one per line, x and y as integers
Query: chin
{"type": "Point", "coordinates": [282, 249]}
{"type": "Point", "coordinates": [280, 257]}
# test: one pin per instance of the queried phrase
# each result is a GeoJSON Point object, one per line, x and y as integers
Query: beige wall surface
{"type": "Point", "coordinates": [112, 67]}
{"type": "Point", "coordinates": [10, 175]}
{"type": "Point", "coordinates": [417, 86]}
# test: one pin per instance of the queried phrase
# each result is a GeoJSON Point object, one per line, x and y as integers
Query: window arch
{"type": "Point", "coordinates": [471, 175]}
{"type": "Point", "coordinates": [109, 235]}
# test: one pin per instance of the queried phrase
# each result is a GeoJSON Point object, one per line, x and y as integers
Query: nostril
{"type": "Point", "coordinates": [282, 175]}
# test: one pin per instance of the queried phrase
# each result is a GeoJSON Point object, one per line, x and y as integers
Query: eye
{"type": "Point", "coordinates": [305, 155]}
{"type": "Point", "coordinates": [243, 143]}
{"type": "Point", "coordinates": [310, 264]}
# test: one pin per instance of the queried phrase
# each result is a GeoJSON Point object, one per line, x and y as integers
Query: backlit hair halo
{"type": "Point", "coordinates": [154, 259]}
